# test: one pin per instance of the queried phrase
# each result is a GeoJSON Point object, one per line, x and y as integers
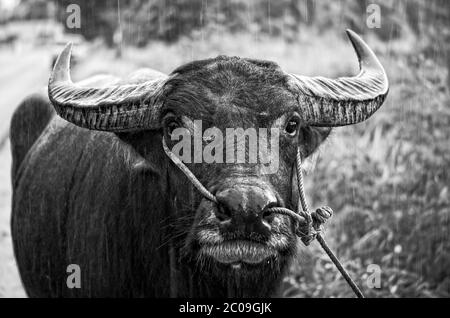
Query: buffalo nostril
{"type": "Point", "coordinates": [267, 214]}
{"type": "Point", "coordinates": [227, 203]}
{"type": "Point", "coordinates": [222, 213]}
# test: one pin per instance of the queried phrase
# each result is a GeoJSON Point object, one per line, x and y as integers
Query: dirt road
{"type": "Point", "coordinates": [21, 73]}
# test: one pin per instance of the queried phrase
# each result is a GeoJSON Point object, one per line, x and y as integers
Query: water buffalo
{"type": "Point", "coordinates": [92, 185]}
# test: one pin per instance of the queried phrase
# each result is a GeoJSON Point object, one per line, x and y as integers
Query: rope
{"type": "Point", "coordinates": [308, 225]}
{"type": "Point", "coordinates": [339, 266]}
{"type": "Point", "coordinates": [188, 174]}
{"type": "Point", "coordinates": [301, 190]}
{"type": "Point", "coordinates": [300, 219]}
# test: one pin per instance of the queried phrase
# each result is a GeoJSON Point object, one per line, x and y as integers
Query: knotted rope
{"type": "Point", "coordinates": [308, 225]}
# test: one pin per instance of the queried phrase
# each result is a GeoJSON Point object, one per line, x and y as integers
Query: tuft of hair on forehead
{"type": "Point", "coordinates": [200, 87]}
{"type": "Point", "coordinates": [235, 64]}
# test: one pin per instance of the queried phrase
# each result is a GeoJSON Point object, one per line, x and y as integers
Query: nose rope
{"type": "Point", "coordinates": [309, 225]}
{"type": "Point", "coordinates": [188, 173]}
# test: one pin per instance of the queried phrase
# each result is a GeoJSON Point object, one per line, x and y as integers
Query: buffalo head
{"type": "Point", "coordinates": [235, 238]}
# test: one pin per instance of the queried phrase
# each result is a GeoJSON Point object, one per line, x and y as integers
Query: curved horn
{"type": "Point", "coordinates": [115, 108]}
{"type": "Point", "coordinates": [346, 100]}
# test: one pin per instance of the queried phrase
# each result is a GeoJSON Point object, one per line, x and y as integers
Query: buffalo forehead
{"type": "Point", "coordinates": [232, 90]}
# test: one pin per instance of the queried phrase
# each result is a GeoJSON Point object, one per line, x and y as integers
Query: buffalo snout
{"type": "Point", "coordinates": [244, 209]}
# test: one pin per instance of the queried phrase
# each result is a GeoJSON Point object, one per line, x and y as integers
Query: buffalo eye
{"type": "Point", "coordinates": [292, 127]}
{"type": "Point", "coordinates": [171, 126]}
{"type": "Point", "coordinates": [170, 123]}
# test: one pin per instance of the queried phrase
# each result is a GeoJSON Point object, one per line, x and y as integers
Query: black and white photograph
{"type": "Point", "coordinates": [228, 150]}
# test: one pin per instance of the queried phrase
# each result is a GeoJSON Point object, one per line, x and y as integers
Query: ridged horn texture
{"type": "Point", "coordinates": [113, 108]}
{"type": "Point", "coordinates": [346, 100]}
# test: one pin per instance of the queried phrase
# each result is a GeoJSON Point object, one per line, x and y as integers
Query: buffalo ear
{"type": "Point", "coordinates": [311, 138]}
{"type": "Point", "coordinates": [130, 137]}
{"type": "Point", "coordinates": [143, 141]}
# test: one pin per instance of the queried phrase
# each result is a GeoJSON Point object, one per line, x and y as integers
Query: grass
{"type": "Point", "coordinates": [387, 181]}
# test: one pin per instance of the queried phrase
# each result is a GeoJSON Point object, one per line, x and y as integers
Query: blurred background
{"type": "Point", "coordinates": [387, 179]}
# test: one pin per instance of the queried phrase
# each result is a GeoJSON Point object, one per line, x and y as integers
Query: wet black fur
{"type": "Point", "coordinates": [114, 204]}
